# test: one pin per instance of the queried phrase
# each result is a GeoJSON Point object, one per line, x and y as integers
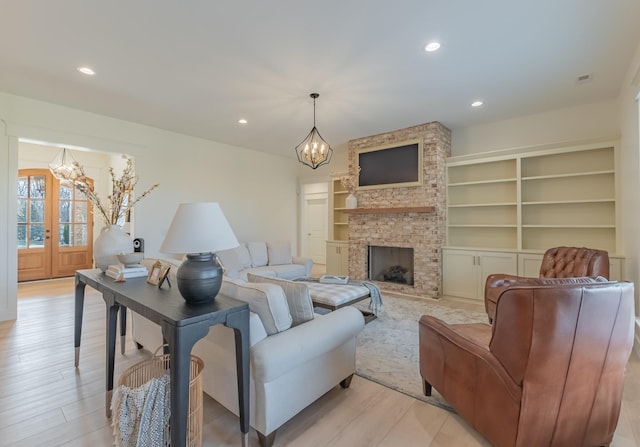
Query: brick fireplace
{"type": "Point", "coordinates": [404, 217]}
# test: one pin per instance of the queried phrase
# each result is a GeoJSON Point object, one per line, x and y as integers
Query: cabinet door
{"type": "Point", "coordinates": [494, 262]}
{"type": "Point", "coordinates": [337, 258]}
{"type": "Point", "coordinates": [459, 271]}
{"type": "Point", "coordinates": [529, 265]}
{"type": "Point", "coordinates": [615, 269]}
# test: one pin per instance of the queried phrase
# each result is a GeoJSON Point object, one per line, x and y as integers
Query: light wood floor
{"type": "Point", "coordinates": [45, 401]}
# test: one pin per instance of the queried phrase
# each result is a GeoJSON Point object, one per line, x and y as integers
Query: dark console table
{"type": "Point", "coordinates": [182, 326]}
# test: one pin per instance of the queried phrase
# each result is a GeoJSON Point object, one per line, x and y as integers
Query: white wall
{"type": "Point", "coordinates": [257, 191]}
{"type": "Point", "coordinates": [8, 264]}
{"type": "Point", "coordinates": [630, 170]}
{"type": "Point", "coordinates": [572, 124]}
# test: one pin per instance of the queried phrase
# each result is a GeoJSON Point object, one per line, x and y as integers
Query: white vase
{"type": "Point", "coordinates": [351, 201]}
{"type": "Point", "coordinates": [111, 242]}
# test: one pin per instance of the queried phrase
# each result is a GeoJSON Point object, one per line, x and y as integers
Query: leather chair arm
{"type": "Point", "coordinates": [467, 351]}
{"type": "Point", "coordinates": [495, 285]}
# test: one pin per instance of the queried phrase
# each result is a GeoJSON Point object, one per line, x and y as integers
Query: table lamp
{"type": "Point", "coordinates": [199, 230]}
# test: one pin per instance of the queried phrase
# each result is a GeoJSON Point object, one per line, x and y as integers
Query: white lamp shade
{"type": "Point", "coordinates": [199, 228]}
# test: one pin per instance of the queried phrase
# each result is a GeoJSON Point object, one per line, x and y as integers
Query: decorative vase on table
{"type": "Point", "coordinates": [111, 242]}
{"type": "Point", "coordinates": [351, 201]}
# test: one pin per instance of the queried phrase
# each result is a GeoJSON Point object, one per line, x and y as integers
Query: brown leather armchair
{"type": "Point", "coordinates": [572, 262]}
{"type": "Point", "coordinates": [549, 372]}
{"type": "Point", "coordinates": [559, 265]}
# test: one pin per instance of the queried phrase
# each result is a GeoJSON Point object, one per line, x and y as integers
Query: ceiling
{"type": "Point", "coordinates": [197, 66]}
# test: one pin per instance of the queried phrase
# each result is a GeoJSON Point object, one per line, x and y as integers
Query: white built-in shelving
{"type": "Point", "coordinates": [534, 199]}
{"type": "Point", "coordinates": [337, 256]}
{"type": "Point", "coordinates": [506, 208]}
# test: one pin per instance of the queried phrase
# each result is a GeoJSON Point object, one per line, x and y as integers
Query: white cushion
{"type": "Point", "coordinates": [267, 300]}
{"type": "Point", "coordinates": [258, 252]}
{"type": "Point", "coordinates": [286, 271]}
{"type": "Point", "coordinates": [235, 259]}
{"type": "Point", "coordinates": [279, 253]}
{"type": "Point", "coordinates": [297, 293]}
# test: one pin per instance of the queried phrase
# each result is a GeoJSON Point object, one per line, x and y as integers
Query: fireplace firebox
{"type": "Point", "coordinates": [391, 264]}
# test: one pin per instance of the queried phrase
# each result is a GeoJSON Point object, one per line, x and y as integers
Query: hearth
{"type": "Point", "coordinates": [391, 264]}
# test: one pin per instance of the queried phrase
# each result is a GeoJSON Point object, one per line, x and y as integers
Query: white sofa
{"type": "Point", "coordinates": [291, 367]}
{"type": "Point", "coordinates": [264, 259]}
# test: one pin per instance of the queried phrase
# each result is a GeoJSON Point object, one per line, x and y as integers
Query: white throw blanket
{"type": "Point", "coordinates": [376, 298]}
{"type": "Point", "coordinates": [141, 415]}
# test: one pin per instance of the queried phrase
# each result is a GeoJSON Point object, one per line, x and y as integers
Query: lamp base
{"type": "Point", "coordinates": [199, 278]}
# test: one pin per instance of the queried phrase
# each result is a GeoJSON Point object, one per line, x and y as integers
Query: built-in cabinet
{"type": "Point", "coordinates": [516, 204]}
{"type": "Point", "coordinates": [465, 272]}
{"type": "Point", "coordinates": [529, 264]}
{"type": "Point", "coordinates": [337, 258]}
{"type": "Point", "coordinates": [337, 245]}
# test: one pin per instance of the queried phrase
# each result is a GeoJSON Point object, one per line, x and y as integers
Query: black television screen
{"type": "Point", "coordinates": [391, 166]}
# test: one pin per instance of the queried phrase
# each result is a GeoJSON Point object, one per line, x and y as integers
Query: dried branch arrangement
{"type": "Point", "coordinates": [121, 199]}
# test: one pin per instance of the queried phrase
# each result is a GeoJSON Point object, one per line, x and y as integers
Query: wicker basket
{"type": "Point", "coordinates": [140, 373]}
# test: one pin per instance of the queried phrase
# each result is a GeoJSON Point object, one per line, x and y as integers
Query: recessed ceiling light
{"type": "Point", "coordinates": [242, 121]}
{"type": "Point", "coordinates": [476, 103]}
{"type": "Point", "coordinates": [86, 70]}
{"type": "Point", "coordinates": [432, 46]}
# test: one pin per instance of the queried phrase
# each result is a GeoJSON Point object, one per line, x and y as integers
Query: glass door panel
{"type": "Point", "coordinates": [33, 224]}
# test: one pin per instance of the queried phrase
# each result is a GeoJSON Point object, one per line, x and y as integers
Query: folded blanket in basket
{"type": "Point", "coordinates": [140, 415]}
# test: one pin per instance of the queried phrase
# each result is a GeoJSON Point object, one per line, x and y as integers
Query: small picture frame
{"type": "Point", "coordinates": [164, 276]}
{"type": "Point", "coordinates": [154, 273]}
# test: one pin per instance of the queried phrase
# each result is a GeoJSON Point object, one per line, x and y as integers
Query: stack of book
{"type": "Point", "coordinates": [119, 271]}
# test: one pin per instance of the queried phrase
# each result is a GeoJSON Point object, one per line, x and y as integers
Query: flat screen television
{"type": "Point", "coordinates": [391, 166]}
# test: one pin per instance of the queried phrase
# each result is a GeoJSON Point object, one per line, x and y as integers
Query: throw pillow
{"type": "Point", "coordinates": [258, 252]}
{"type": "Point", "coordinates": [235, 259]}
{"type": "Point", "coordinates": [297, 293]}
{"type": "Point", "coordinates": [266, 300]}
{"type": "Point", "coordinates": [279, 253]}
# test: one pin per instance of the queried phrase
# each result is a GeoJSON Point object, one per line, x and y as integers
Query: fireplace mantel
{"type": "Point", "coordinates": [398, 210]}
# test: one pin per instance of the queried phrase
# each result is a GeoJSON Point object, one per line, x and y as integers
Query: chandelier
{"type": "Point", "coordinates": [314, 151]}
{"type": "Point", "coordinates": [63, 166]}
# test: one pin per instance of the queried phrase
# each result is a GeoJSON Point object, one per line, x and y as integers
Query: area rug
{"type": "Point", "coordinates": [387, 347]}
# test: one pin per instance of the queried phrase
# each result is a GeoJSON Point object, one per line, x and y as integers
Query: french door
{"type": "Point", "coordinates": [55, 227]}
